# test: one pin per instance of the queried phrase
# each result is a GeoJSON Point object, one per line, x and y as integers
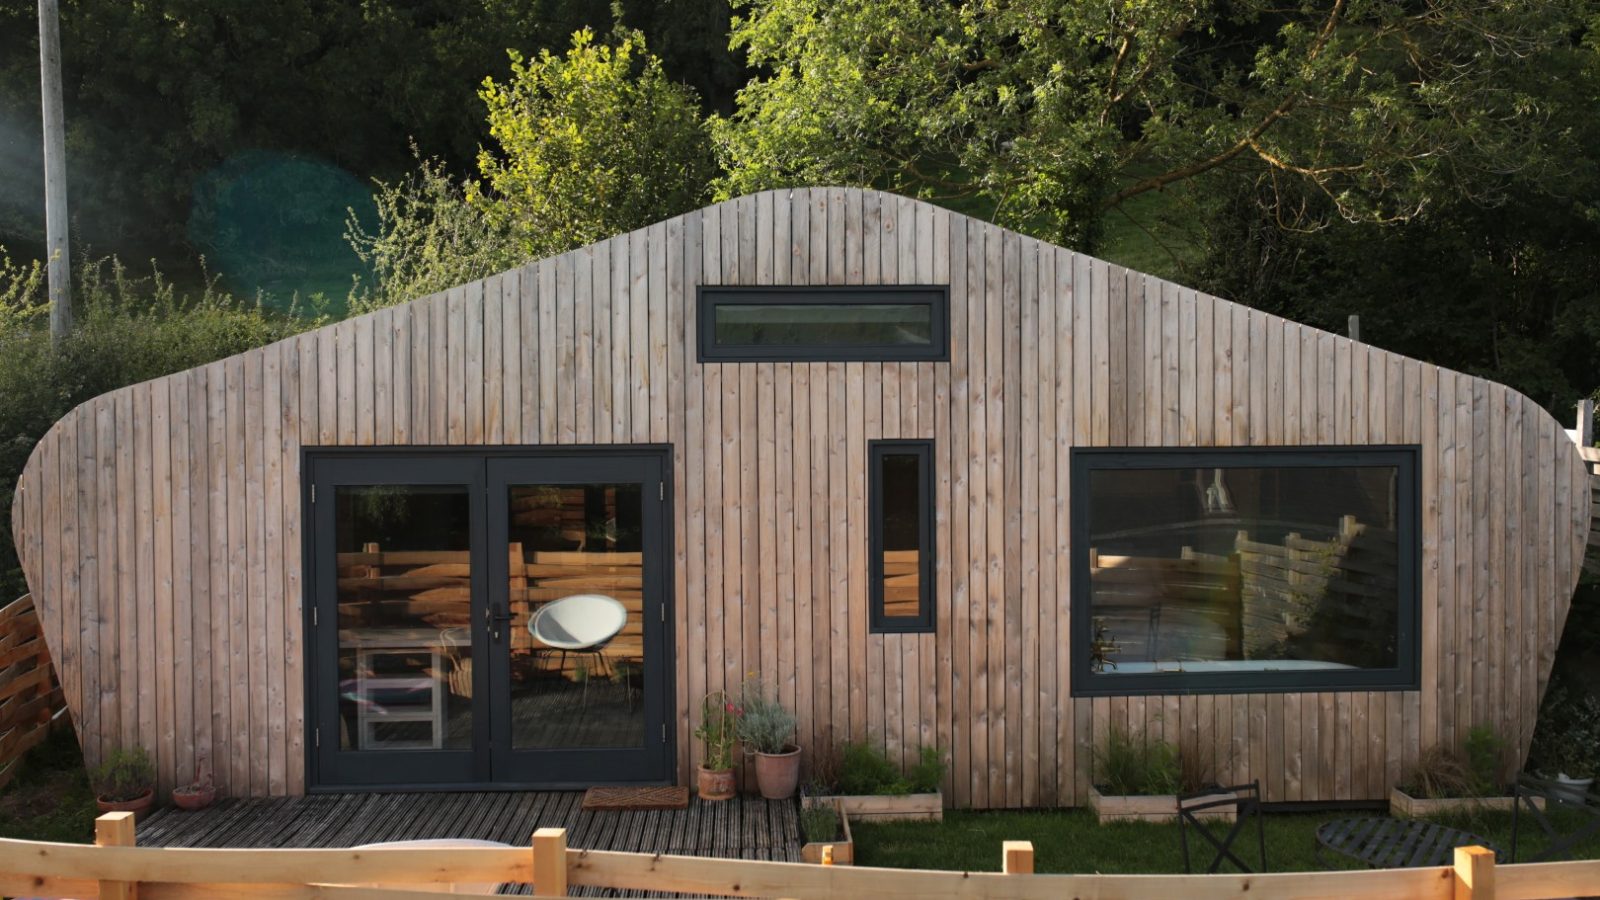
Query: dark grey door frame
{"type": "Point", "coordinates": [330, 769]}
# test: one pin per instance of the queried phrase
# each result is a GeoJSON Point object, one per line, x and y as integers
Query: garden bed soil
{"type": "Point", "coordinates": [1151, 807]}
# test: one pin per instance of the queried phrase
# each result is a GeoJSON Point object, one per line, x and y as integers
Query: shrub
{"type": "Point", "coordinates": [125, 775]}
{"type": "Point", "coordinates": [1125, 766]}
{"type": "Point", "coordinates": [1567, 737]}
{"type": "Point", "coordinates": [764, 725]}
{"type": "Point", "coordinates": [864, 769]}
{"type": "Point", "coordinates": [128, 329]}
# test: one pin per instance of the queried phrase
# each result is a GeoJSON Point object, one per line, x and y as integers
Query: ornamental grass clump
{"type": "Point", "coordinates": [1126, 767]}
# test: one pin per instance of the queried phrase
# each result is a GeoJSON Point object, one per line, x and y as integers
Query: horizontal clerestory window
{"type": "Point", "coordinates": [1244, 570]}
{"type": "Point", "coordinates": [824, 324]}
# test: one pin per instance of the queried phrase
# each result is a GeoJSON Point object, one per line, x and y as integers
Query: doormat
{"type": "Point", "coordinates": [636, 798]}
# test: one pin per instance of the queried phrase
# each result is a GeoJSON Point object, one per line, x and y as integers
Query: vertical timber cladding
{"type": "Point", "coordinates": [160, 525]}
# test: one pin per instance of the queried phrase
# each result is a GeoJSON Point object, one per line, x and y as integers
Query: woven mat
{"type": "Point", "coordinates": [636, 798]}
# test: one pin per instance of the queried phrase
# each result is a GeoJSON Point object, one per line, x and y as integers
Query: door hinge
{"type": "Point", "coordinates": [316, 738]}
{"type": "Point", "coordinates": [313, 617]}
{"type": "Point", "coordinates": [663, 732]}
{"type": "Point", "coordinates": [313, 492]}
{"type": "Point", "coordinates": [661, 490]}
{"type": "Point", "coordinates": [663, 612]}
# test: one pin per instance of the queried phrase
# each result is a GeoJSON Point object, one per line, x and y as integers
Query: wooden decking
{"type": "Point", "coordinates": [744, 828]}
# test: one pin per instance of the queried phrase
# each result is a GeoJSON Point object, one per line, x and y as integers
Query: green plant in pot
{"type": "Point", "coordinates": [125, 781]}
{"type": "Point", "coordinates": [718, 732]}
{"type": "Point", "coordinates": [767, 731]}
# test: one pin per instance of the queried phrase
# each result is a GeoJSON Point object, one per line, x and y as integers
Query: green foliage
{"type": "Point", "coordinates": [863, 768]}
{"type": "Point", "coordinates": [1047, 114]}
{"type": "Point", "coordinates": [159, 93]}
{"type": "Point", "coordinates": [128, 329]}
{"type": "Point", "coordinates": [428, 238]}
{"type": "Point", "coordinates": [126, 774]}
{"type": "Point", "coordinates": [718, 731]}
{"type": "Point", "coordinates": [1566, 739]}
{"type": "Point", "coordinates": [1125, 766]}
{"type": "Point", "coordinates": [587, 145]}
{"type": "Point", "coordinates": [1473, 771]}
{"type": "Point", "coordinates": [819, 822]}
{"type": "Point", "coordinates": [50, 798]}
{"type": "Point", "coordinates": [764, 726]}
{"type": "Point", "coordinates": [590, 144]}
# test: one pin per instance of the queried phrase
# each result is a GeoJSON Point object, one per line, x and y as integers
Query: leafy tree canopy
{"type": "Point", "coordinates": [586, 145]}
{"type": "Point", "coordinates": [1048, 113]}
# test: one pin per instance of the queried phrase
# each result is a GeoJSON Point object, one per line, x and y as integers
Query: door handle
{"type": "Point", "coordinates": [493, 618]}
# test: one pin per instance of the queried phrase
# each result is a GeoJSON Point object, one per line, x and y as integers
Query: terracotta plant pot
{"type": "Point", "coordinates": [716, 784]}
{"type": "Point", "coordinates": [778, 774]}
{"type": "Point", "coordinates": [193, 797]}
{"type": "Point", "coordinates": [138, 805]}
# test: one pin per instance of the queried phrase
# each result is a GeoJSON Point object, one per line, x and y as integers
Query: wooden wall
{"type": "Point", "coordinates": [159, 525]}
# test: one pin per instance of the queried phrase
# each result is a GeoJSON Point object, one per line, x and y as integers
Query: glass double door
{"type": "Point", "coordinates": [487, 618]}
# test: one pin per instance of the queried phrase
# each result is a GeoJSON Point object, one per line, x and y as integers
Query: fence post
{"type": "Point", "coordinates": [1017, 857]}
{"type": "Point", "coordinates": [1585, 423]}
{"type": "Point", "coordinates": [550, 862]}
{"type": "Point", "coordinates": [1474, 873]}
{"type": "Point", "coordinates": [116, 830]}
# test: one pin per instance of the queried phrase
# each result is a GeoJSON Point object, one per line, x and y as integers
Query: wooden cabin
{"type": "Point", "coordinates": [937, 483]}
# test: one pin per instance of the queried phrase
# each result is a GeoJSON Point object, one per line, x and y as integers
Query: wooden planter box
{"type": "Point", "coordinates": [844, 850]}
{"type": "Point", "coordinates": [1150, 807]}
{"type": "Point", "coordinates": [888, 808]}
{"type": "Point", "coordinates": [1404, 806]}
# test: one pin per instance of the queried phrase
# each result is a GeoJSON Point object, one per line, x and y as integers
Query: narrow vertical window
{"type": "Point", "coordinates": [900, 545]}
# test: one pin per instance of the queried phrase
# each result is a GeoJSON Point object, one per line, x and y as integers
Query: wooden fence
{"type": "Point", "coordinates": [30, 697]}
{"type": "Point", "coordinates": [115, 868]}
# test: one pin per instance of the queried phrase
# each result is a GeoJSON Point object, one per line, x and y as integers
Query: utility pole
{"type": "Point", "coordinates": [57, 264]}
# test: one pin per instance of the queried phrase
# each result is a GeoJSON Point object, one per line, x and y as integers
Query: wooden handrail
{"type": "Point", "coordinates": [42, 869]}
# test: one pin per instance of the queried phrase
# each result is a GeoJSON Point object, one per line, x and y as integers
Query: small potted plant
{"type": "Point", "coordinates": [718, 732]}
{"type": "Point", "coordinates": [767, 731]}
{"type": "Point", "coordinates": [196, 795]}
{"type": "Point", "coordinates": [125, 782]}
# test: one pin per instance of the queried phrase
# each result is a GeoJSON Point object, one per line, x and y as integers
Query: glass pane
{"type": "Point", "coordinates": [1244, 569]}
{"type": "Point", "coordinates": [405, 615]}
{"type": "Point", "coordinates": [902, 534]}
{"type": "Point", "coordinates": [831, 325]}
{"type": "Point", "coordinates": [577, 624]}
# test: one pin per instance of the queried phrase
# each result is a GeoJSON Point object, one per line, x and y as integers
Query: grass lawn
{"type": "Point", "coordinates": [50, 799]}
{"type": "Point", "coordinates": [1070, 841]}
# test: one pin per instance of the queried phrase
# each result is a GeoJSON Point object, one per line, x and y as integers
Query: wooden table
{"type": "Point", "coordinates": [1384, 843]}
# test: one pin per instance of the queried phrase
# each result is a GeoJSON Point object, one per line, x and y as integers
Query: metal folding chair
{"type": "Point", "coordinates": [1552, 804]}
{"type": "Point", "coordinates": [1246, 801]}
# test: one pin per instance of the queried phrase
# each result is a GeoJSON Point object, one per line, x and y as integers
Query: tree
{"type": "Point", "coordinates": [1047, 114]}
{"type": "Point", "coordinates": [585, 145]}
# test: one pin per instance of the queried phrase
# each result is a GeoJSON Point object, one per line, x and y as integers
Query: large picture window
{"type": "Point", "coordinates": [767, 324]}
{"type": "Point", "coordinates": [1263, 569]}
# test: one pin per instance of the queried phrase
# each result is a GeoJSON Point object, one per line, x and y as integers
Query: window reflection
{"type": "Point", "coordinates": [1218, 569]}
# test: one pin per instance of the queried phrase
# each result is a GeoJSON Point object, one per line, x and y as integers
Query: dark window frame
{"type": "Point", "coordinates": [1406, 675]}
{"type": "Point", "coordinates": [935, 296]}
{"type": "Point", "coordinates": [923, 622]}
